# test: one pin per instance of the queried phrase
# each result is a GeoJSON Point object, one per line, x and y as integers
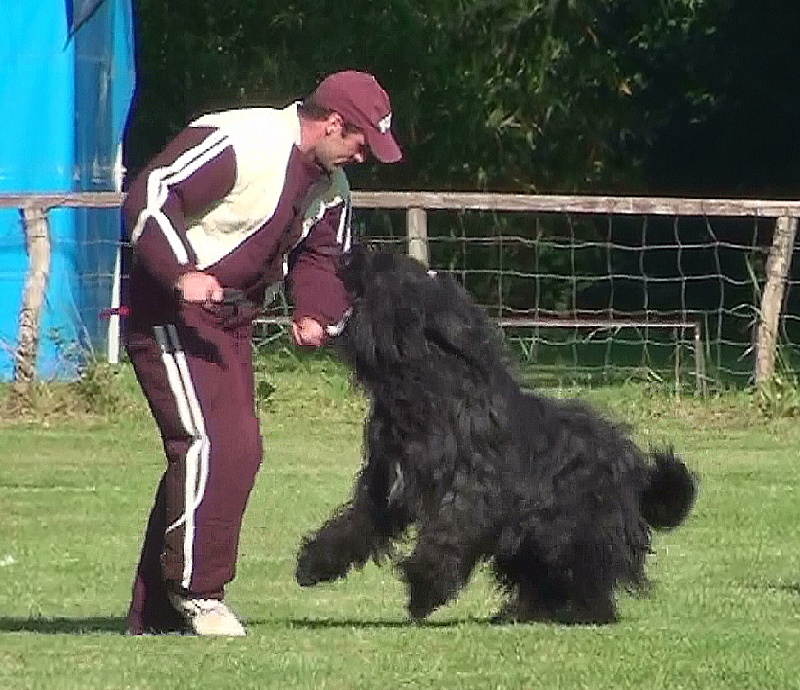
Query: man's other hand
{"type": "Point", "coordinates": [197, 286]}
{"type": "Point", "coordinates": [308, 332]}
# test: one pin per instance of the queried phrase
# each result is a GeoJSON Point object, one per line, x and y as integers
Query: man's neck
{"type": "Point", "coordinates": [311, 131]}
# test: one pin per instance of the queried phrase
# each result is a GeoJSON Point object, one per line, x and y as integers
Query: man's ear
{"type": "Point", "coordinates": [334, 123]}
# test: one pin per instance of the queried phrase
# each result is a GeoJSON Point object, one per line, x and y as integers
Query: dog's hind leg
{"type": "Point", "coordinates": [594, 604]}
{"type": "Point", "coordinates": [531, 593]}
{"type": "Point", "coordinates": [590, 582]}
{"type": "Point", "coordinates": [577, 589]}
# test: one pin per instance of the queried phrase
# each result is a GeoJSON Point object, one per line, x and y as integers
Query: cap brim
{"type": "Point", "coordinates": [383, 146]}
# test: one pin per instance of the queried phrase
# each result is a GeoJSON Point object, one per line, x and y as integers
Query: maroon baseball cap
{"type": "Point", "coordinates": [362, 102]}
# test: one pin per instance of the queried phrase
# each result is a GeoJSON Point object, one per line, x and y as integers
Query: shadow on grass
{"type": "Point", "coordinates": [90, 626]}
{"type": "Point", "coordinates": [775, 586]}
{"type": "Point", "coordinates": [791, 587]}
{"type": "Point", "coordinates": [64, 626]}
{"type": "Point", "coordinates": [335, 623]}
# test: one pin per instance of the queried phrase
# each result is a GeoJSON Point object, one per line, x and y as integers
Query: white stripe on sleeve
{"type": "Point", "coordinates": [159, 182]}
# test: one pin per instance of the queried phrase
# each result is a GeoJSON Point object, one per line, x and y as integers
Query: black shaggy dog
{"type": "Point", "coordinates": [558, 500]}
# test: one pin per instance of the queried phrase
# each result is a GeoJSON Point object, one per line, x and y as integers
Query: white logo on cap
{"type": "Point", "coordinates": [385, 123]}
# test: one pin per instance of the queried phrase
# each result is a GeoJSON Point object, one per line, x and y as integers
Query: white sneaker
{"type": "Point", "coordinates": [208, 616]}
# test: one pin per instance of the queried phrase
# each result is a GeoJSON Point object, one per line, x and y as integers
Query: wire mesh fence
{"type": "Point", "coordinates": [587, 290]}
{"type": "Point", "coordinates": [596, 298]}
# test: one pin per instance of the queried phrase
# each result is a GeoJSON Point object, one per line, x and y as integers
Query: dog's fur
{"type": "Point", "coordinates": [558, 500]}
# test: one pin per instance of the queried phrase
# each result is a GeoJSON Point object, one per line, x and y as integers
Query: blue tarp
{"type": "Point", "coordinates": [66, 83]}
{"type": "Point", "coordinates": [79, 12]}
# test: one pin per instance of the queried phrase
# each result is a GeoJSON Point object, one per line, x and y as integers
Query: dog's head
{"type": "Point", "coordinates": [406, 320]}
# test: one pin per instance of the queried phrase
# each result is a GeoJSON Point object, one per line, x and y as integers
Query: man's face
{"type": "Point", "coordinates": [340, 145]}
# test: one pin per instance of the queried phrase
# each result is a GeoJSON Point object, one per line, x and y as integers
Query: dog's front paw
{"type": "Point", "coordinates": [423, 599]}
{"type": "Point", "coordinates": [315, 566]}
{"type": "Point", "coordinates": [423, 596]}
{"type": "Point", "coordinates": [305, 574]}
{"type": "Point", "coordinates": [419, 606]}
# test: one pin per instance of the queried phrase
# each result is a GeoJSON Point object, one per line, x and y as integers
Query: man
{"type": "Point", "coordinates": [238, 200]}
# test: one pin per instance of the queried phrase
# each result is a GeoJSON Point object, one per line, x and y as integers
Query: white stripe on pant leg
{"type": "Point", "coordinates": [178, 392]}
{"type": "Point", "coordinates": [190, 462]}
{"type": "Point", "coordinates": [197, 413]}
{"type": "Point", "coordinates": [199, 475]}
{"type": "Point", "coordinates": [174, 380]}
{"type": "Point", "coordinates": [188, 511]}
{"type": "Point", "coordinates": [191, 465]}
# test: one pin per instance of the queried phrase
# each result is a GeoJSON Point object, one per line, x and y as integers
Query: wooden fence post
{"type": "Point", "coordinates": [780, 258]}
{"type": "Point", "coordinates": [37, 244]}
{"type": "Point", "coordinates": [417, 228]}
{"type": "Point", "coordinates": [699, 361]}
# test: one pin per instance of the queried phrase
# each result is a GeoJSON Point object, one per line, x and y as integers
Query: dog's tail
{"type": "Point", "coordinates": [670, 492]}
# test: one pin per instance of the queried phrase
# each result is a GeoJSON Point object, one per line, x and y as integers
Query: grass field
{"type": "Point", "coordinates": [74, 493]}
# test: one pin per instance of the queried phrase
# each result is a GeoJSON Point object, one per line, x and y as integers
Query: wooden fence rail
{"type": "Point", "coordinates": [477, 201]}
{"type": "Point", "coordinates": [34, 208]}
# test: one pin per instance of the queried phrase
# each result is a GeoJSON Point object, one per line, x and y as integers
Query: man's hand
{"type": "Point", "coordinates": [197, 286]}
{"type": "Point", "coordinates": [308, 332]}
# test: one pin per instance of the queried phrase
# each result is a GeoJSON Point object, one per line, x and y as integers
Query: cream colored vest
{"type": "Point", "coordinates": [262, 140]}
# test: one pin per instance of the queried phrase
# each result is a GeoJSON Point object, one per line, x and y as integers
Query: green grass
{"type": "Point", "coordinates": [74, 494]}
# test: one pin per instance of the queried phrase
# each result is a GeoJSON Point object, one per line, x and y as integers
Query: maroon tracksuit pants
{"type": "Point", "coordinates": [197, 376]}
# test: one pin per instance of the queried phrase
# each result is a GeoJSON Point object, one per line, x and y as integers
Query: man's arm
{"type": "Point", "coordinates": [195, 170]}
{"type": "Point", "coordinates": [319, 297]}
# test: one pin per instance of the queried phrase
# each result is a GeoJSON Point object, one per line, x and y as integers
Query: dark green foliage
{"type": "Point", "coordinates": [523, 95]}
